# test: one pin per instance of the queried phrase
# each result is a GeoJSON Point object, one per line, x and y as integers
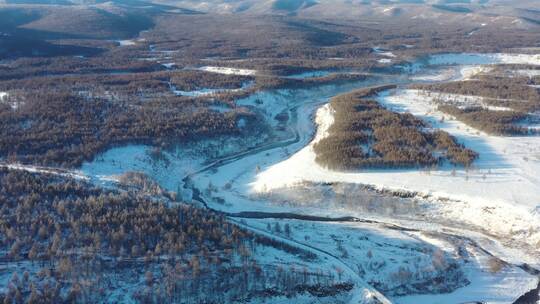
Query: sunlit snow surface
{"type": "Point", "coordinates": [228, 71]}
{"type": "Point", "coordinates": [209, 92]}
{"type": "Point", "coordinates": [4, 98]}
{"type": "Point", "coordinates": [126, 42]}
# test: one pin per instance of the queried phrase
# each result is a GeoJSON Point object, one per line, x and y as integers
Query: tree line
{"type": "Point", "coordinates": [366, 135]}
{"type": "Point", "coordinates": [64, 129]}
{"type": "Point", "coordinates": [514, 93]}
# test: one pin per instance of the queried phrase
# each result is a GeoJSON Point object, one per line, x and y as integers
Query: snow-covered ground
{"type": "Point", "coordinates": [527, 73]}
{"type": "Point", "coordinates": [486, 284]}
{"type": "Point", "coordinates": [167, 169]}
{"type": "Point", "coordinates": [470, 61]}
{"type": "Point", "coordinates": [362, 292]}
{"type": "Point", "coordinates": [4, 98]}
{"type": "Point", "coordinates": [460, 101]}
{"type": "Point", "coordinates": [396, 260]}
{"type": "Point", "coordinates": [209, 92]}
{"type": "Point", "coordinates": [45, 170]}
{"type": "Point", "coordinates": [483, 59]}
{"type": "Point", "coordinates": [228, 71]}
{"type": "Point", "coordinates": [384, 53]}
{"type": "Point", "coordinates": [169, 65]}
{"type": "Point", "coordinates": [468, 72]}
{"type": "Point", "coordinates": [501, 193]}
{"type": "Point", "coordinates": [127, 42]}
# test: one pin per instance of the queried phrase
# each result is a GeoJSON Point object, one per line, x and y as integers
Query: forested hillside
{"type": "Point", "coordinates": [67, 241]}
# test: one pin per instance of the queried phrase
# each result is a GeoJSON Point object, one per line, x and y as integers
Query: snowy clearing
{"type": "Point", "coordinates": [209, 92]}
{"type": "Point", "coordinates": [45, 170]}
{"type": "Point", "coordinates": [475, 59]}
{"type": "Point", "coordinates": [468, 72]}
{"type": "Point", "coordinates": [527, 73]}
{"type": "Point", "coordinates": [460, 101]}
{"type": "Point", "coordinates": [409, 259]}
{"type": "Point", "coordinates": [127, 42]}
{"type": "Point", "coordinates": [228, 71]}
{"type": "Point", "coordinates": [169, 65]}
{"type": "Point", "coordinates": [383, 53]}
{"type": "Point", "coordinates": [500, 194]}
{"type": "Point", "coordinates": [4, 98]}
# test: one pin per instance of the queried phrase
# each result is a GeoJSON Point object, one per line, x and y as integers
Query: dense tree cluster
{"type": "Point", "coordinates": [281, 82]}
{"type": "Point", "coordinates": [124, 86]}
{"type": "Point", "coordinates": [84, 242]}
{"type": "Point", "coordinates": [112, 86]}
{"type": "Point", "coordinates": [492, 122]}
{"type": "Point", "coordinates": [44, 217]}
{"type": "Point", "coordinates": [189, 80]}
{"type": "Point", "coordinates": [288, 37]}
{"type": "Point", "coordinates": [59, 128]}
{"type": "Point", "coordinates": [515, 93]}
{"type": "Point", "coordinates": [113, 61]}
{"type": "Point", "coordinates": [499, 88]}
{"type": "Point", "coordinates": [366, 135]}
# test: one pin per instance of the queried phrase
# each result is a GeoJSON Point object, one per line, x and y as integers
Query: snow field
{"type": "Point", "coordinates": [126, 42]}
{"type": "Point", "coordinates": [228, 71]}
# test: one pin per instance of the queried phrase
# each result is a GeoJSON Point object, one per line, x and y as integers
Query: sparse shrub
{"type": "Point", "coordinates": [495, 264]}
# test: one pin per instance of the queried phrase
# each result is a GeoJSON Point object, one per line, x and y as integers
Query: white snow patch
{"type": "Point", "coordinates": [208, 92]}
{"type": "Point", "coordinates": [384, 53]}
{"type": "Point", "coordinates": [533, 59]}
{"type": "Point", "coordinates": [476, 59]}
{"type": "Point", "coordinates": [460, 101]}
{"type": "Point", "coordinates": [169, 65]}
{"type": "Point", "coordinates": [228, 71]}
{"type": "Point", "coordinates": [467, 72]}
{"type": "Point", "coordinates": [527, 73]}
{"type": "Point", "coordinates": [127, 42]}
{"type": "Point", "coordinates": [4, 98]}
{"type": "Point", "coordinates": [46, 170]}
